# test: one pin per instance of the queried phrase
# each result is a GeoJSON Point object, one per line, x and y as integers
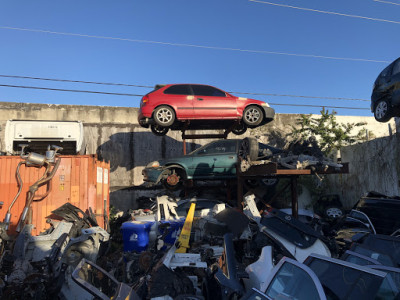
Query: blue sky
{"type": "Point", "coordinates": [218, 24]}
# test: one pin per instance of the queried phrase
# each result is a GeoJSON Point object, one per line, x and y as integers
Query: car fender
{"type": "Point", "coordinates": [163, 104]}
{"type": "Point", "coordinates": [167, 169]}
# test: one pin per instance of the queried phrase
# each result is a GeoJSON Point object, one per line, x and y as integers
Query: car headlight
{"type": "Point", "coordinates": [265, 104]}
{"type": "Point", "coordinates": [153, 164]}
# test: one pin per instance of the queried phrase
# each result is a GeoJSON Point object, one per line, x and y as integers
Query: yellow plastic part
{"type": "Point", "coordinates": [184, 237]}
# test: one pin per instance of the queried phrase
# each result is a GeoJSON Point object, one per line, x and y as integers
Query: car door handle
{"type": "Point", "coordinates": [231, 157]}
{"type": "Point", "coordinates": [200, 99]}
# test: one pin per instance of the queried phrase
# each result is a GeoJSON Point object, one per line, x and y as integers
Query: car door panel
{"type": "Point", "coordinates": [211, 103]}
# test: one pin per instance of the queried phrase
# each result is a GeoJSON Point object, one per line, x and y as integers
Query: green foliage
{"type": "Point", "coordinates": [330, 134]}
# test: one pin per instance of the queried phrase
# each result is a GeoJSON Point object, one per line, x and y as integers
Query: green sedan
{"type": "Point", "coordinates": [214, 161]}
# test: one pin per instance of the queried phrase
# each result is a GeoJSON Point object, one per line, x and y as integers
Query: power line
{"type": "Point", "coordinates": [387, 2]}
{"type": "Point", "coordinates": [194, 45]}
{"type": "Point", "coordinates": [75, 81]}
{"type": "Point", "coordinates": [307, 105]}
{"type": "Point", "coordinates": [302, 96]}
{"type": "Point", "coordinates": [135, 95]}
{"type": "Point", "coordinates": [66, 90]}
{"type": "Point", "coordinates": [327, 12]}
{"type": "Point", "coordinates": [148, 86]}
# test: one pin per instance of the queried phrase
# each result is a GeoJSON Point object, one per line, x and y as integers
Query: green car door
{"type": "Point", "coordinates": [217, 159]}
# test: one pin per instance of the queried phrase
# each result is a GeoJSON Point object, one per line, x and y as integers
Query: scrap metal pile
{"type": "Point", "coordinates": [203, 249]}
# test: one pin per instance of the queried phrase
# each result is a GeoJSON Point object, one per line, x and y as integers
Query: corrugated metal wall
{"type": "Point", "coordinates": [81, 180]}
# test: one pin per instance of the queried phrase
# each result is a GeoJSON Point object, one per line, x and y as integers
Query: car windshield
{"type": "Point", "coordinates": [218, 147]}
{"type": "Point", "coordinates": [344, 282]}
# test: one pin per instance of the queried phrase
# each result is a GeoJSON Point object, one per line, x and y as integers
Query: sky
{"type": "Point", "coordinates": [239, 46]}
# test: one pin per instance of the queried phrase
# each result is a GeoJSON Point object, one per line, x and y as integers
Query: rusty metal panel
{"type": "Point", "coordinates": [81, 180]}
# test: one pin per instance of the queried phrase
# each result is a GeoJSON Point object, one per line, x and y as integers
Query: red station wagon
{"type": "Point", "coordinates": [196, 106]}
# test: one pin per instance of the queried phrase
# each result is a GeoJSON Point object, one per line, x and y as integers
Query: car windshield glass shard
{"type": "Point", "coordinates": [205, 90]}
{"type": "Point", "coordinates": [292, 282]}
{"type": "Point", "coordinates": [179, 89]}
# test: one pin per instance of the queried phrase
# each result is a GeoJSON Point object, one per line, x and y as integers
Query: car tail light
{"type": "Point", "coordinates": [145, 99]}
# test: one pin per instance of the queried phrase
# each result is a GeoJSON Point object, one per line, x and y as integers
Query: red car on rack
{"type": "Point", "coordinates": [197, 106]}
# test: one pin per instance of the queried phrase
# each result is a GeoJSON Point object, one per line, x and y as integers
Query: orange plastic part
{"type": "Point", "coordinates": [81, 180]}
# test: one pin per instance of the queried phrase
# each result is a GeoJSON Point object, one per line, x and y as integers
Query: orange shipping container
{"type": "Point", "coordinates": [81, 180]}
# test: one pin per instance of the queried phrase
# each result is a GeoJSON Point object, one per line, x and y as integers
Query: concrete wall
{"type": "Point", "coordinates": [114, 134]}
{"type": "Point", "coordinates": [374, 166]}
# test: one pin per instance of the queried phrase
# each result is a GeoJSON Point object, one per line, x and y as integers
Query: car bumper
{"type": "Point", "coordinates": [269, 112]}
{"type": "Point", "coordinates": [152, 174]}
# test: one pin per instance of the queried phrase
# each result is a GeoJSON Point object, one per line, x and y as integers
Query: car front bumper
{"type": "Point", "coordinates": [269, 113]}
{"type": "Point", "coordinates": [153, 175]}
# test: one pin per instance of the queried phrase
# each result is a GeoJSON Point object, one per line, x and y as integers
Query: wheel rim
{"type": "Point", "coordinates": [334, 212]}
{"type": "Point", "coordinates": [381, 109]}
{"type": "Point", "coordinates": [164, 115]}
{"type": "Point", "coordinates": [252, 115]}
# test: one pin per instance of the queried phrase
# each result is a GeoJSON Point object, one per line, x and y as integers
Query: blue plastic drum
{"type": "Point", "coordinates": [135, 235]}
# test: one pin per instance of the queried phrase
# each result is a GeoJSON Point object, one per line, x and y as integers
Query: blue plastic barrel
{"type": "Point", "coordinates": [135, 235]}
{"type": "Point", "coordinates": [175, 226]}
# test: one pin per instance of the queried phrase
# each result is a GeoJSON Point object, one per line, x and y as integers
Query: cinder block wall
{"type": "Point", "coordinates": [114, 134]}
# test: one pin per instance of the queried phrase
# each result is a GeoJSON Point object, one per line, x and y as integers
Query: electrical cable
{"type": "Point", "coordinates": [387, 2]}
{"type": "Point", "coordinates": [327, 12]}
{"type": "Point", "coordinates": [193, 45]}
{"type": "Point", "coordinates": [146, 86]}
{"type": "Point", "coordinates": [136, 95]}
{"type": "Point", "coordinates": [74, 81]}
{"type": "Point", "coordinates": [67, 90]}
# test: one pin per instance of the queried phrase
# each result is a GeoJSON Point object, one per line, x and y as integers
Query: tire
{"type": "Point", "coordinates": [253, 115]}
{"type": "Point", "coordinates": [333, 212]}
{"type": "Point", "coordinates": [159, 130]}
{"type": "Point", "coordinates": [240, 128]}
{"type": "Point", "coordinates": [383, 111]}
{"type": "Point", "coordinates": [164, 116]}
{"type": "Point", "coordinates": [249, 149]}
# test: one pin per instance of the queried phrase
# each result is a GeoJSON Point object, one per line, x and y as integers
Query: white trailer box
{"type": "Point", "coordinates": [39, 134]}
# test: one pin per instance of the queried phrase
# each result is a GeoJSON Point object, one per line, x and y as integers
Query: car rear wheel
{"type": "Point", "coordinates": [164, 116]}
{"type": "Point", "coordinates": [240, 128]}
{"type": "Point", "coordinates": [159, 130]}
{"type": "Point", "coordinates": [253, 115]}
{"type": "Point", "coordinates": [383, 111]}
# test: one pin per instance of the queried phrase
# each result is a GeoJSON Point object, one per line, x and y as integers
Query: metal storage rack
{"type": "Point", "coordinates": [271, 170]}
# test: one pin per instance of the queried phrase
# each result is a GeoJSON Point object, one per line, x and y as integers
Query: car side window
{"type": "Point", "coordinates": [178, 89]}
{"type": "Point", "coordinates": [219, 148]}
{"type": "Point", "coordinates": [205, 90]}
{"type": "Point", "coordinates": [292, 282]}
{"type": "Point", "coordinates": [396, 68]}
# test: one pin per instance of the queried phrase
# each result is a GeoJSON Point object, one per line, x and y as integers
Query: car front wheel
{"type": "Point", "coordinates": [253, 115]}
{"type": "Point", "coordinates": [175, 179]}
{"type": "Point", "coordinates": [164, 116]}
{"type": "Point", "coordinates": [383, 111]}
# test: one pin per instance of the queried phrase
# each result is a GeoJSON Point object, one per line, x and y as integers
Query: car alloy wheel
{"type": "Point", "coordinates": [164, 116]}
{"type": "Point", "coordinates": [334, 212]}
{"type": "Point", "coordinates": [252, 115]}
{"type": "Point", "coordinates": [382, 111]}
